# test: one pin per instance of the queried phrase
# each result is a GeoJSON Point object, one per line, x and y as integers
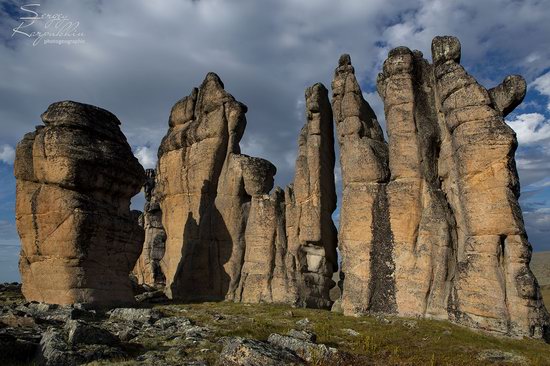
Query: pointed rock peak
{"type": "Point", "coordinates": [445, 48]}
{"type": "Point", "coordinates": [344, 60]}
{"type": "Point", "coordinates": [316, 90]}
{"type": "Point", "coordinates": [400, 59]}
{"type": "Point", "coordinates": [184, 109]}
{"type": "Point", "coordinates": [212, 77]}
{"type": "Point", "coordinates": [418, 54]}
{"type": "Point", "coordinates": [316, 97]}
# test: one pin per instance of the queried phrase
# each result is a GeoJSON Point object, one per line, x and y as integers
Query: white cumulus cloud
{"type": "Point", "coordinates": [542, 85]}
{"type": "Point", "coordinates": [531, 128]}
{"type": "Point", "coordinates": [146, 156]}
{"type": "Point", "coordinates": [7, 154]}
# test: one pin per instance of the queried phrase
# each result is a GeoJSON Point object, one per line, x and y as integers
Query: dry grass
{"type": "Point", "coordinates": [393, 341]}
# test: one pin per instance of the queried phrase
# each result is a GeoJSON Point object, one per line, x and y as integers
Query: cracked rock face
{"type": "Point", "coordinates": [227, 229]}
{"type": "Point", "coordinates": [310, 202]}
{"type": "Point", "coordinates": [204, 195]}
{"type": "Point", "coordinates": [365, 239]}
{"type": "Point", "coordinates": [149, 267]}
{"type": "Point", "coordinates": [75, 178]}
{"type": "Point", "coordinates": [446, 236]}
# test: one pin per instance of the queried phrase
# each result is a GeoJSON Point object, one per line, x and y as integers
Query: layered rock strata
{"type": "Point", "coordinates": [75, 178]}
{"type": "Point", "coordinates": [430, 223]}
{"type": "Point", "coordinates": [149, 267]}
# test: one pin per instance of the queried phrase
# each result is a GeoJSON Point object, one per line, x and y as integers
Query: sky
{"type": "Point", "coordinates": [136, 58]}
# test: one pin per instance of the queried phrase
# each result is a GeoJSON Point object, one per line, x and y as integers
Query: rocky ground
{"type": "Point", "coordinates": [224, 333]}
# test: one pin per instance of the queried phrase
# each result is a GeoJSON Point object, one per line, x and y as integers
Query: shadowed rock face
{"type": "Point", "coordinates": [226, 233]}
{"type": "Point", "coordinates": [75, 177]}
{"type": "Point", "coordinates": [149, 267]}
{"type": "Point", "coordinates": [446, 236]}
{"type": "Point", "coordinates": [201, 194]}
{"type": "Point", "coordinates": [310, 202]}
{"type": "Point", "coordinates": [290, 237]}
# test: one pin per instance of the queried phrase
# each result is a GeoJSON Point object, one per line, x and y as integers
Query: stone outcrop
{"type": "Point", "coordinates": [148, 270]}
{"type": "Point", "coordinates": [310, 202]}
{"type": "Point", "coordinates": [206, 190]}
{"type": "Point", "coordinates": [227, 233]}
{"type": "Point", "coordinates": [365, 238]}
{"type": "Point", "coordinates": [75, 178]}
{"type": "Point", "coordinates": [430, 223]}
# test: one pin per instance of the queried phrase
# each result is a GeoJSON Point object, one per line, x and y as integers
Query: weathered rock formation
{"type": "Point", "coordinates": [226, 233]}
{"type": "Point", "coordinates": [430, 223]}
{"type": "Point", "coordinates": [75, 177]}
{"type": "Point", "coordinates": [364, 235]}
{"type": "Point", "coordinates": [310, 202]}
{"type": "Point", "coordinates": [202, 194]}
{"type": "Point", "coordinates": [148, 270]}
{"type": "Point", "coordinates": [290, 237]}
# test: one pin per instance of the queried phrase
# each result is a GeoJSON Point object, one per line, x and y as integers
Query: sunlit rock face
{"type": "Point", "coordinates": [201, 194]}
{"type": "Point", "coordinates": [430, 222]}
{"type": "Point", "coordinates": [75, 178]}
{"type": "Point", "coordinates": [365, 238]}
{"type": "Point", "coordinates": [226, 228]}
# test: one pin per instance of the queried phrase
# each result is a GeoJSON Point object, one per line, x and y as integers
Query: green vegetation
{"type": "Point", "coordinates": [381, 340]}
{"type": "Point", "coordinates": [368, 340]}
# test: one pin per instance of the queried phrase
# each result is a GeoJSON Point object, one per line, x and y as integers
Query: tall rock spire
{"type": "Point", "coordinates": [310, 202]}
{"type": "Point", "coordinates": [430, 223]}
{"type": "Point", "coordinates": [149, 267]}
{"type": "Point", "coordinates": [365, 237]}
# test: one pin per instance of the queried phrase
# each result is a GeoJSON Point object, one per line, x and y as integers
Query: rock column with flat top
{"type": "Point", "coordinates": [75, 178]}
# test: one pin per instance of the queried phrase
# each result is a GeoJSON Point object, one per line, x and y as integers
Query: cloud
{"type": "Point", "coordinates": [8, 230]}
{"type": "Point", "coordinates": [147, 157]}
{"type": "Point", "coordinates": [7, 154]}
{"type": "Point", "coordinates": [531, 128]}
{"type": "Point", "coordinates": [537, 224]}
{"type": "Point", "coordinates": [542, 85]}
{"type": "Point", "coordinates": [490, 44]}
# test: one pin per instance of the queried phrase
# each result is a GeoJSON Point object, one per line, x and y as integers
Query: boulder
{"type": "Point", "coordinates": [131, 315]}
{"type": "Point", "coordinates": [54, 351]}
{"type": "Point", "coordinates": [75, 177]}
{"type": "Point", "coordinates": [248, 352]}
{"type": "Point", "coordinates": [305, 349]}
{"type": "Point", "coordinates": [80, 332]}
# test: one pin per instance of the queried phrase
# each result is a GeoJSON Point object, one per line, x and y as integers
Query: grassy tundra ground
{"type": "Point", "coordinates": [368, 340]}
